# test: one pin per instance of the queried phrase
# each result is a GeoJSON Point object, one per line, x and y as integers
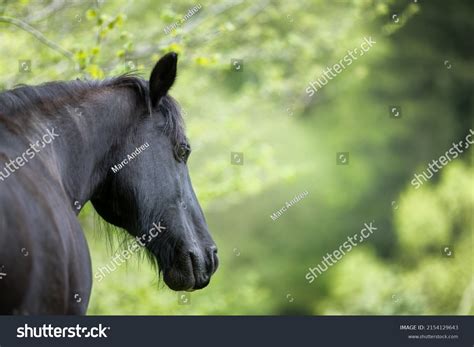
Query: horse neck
{"type": "Point", "coordinates": [89, 137]}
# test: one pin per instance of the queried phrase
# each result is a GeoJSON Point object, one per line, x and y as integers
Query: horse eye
{"type": "Point", "coordinates": [184, 151]}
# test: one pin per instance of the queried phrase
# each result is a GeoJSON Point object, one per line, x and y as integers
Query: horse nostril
{"type": "Point", "coordinates": [215, 260]}
{"type": "Point", "coordinates": [193, 257]}
{"type": "Point", "coordinates": [204, 264]}
{"type": "Point", "coordinates": [200, 268]}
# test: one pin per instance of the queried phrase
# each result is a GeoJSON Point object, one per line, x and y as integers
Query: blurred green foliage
{"type": "Point", "coordinates": [422, 62]}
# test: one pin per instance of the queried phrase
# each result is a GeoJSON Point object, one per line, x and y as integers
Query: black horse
{"type": "Point", "coordinates": [118, 143]}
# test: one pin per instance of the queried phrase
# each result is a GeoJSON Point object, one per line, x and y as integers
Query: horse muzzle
{"type": "Point", "coordinates": [192, 270]}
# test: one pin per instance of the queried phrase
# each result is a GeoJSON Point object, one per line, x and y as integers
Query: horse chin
{"type": "Point", "coordinates": [178, 280]}
{"type": "Point", "coordinates": [185, 279]}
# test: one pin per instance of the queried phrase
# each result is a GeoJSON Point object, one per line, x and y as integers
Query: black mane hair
{"type": "Point", "coordinates": [17, 104]}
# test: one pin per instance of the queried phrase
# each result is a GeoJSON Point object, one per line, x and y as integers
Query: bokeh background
{"type": "Point", "coordinates": [422, 63]}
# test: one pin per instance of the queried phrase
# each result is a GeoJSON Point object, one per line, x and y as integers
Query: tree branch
{"type": "Point", "coordinates": [55, 6]}
{"type": "Point", "coordinates": [38, 35]}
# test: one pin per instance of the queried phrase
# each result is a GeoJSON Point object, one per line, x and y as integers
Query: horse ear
{"type": "Point", "coordinates": [162, 77]}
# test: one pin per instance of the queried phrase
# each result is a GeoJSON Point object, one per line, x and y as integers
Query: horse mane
{"type": "Point", "coordinates": [18, 104]}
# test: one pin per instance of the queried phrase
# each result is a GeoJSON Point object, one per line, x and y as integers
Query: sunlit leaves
{"type": "Point", "coordinates": [95, 71]}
